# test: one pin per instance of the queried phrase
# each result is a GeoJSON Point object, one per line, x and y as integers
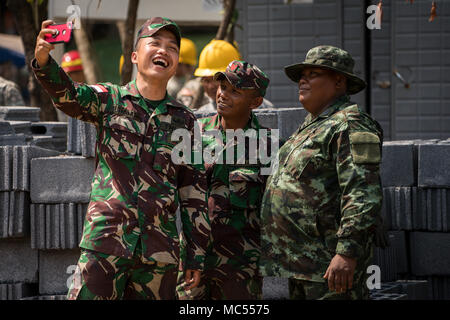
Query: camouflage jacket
{"type": "Point", "coordinates": [325, 197]}
{"type": "Point", "coordinates": [234, 193]}
{"type": "Point", "coordinates": [136, 187]}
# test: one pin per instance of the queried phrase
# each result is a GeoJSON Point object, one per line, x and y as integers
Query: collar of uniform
{"type": "Point", "coordinates": [339, 102]}
{"type": "Point", "coordinates": [252, 122]}
{"type": "Point", "coordinates": [131, 89]}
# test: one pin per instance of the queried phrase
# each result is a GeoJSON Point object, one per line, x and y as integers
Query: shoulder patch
{"type": "Point", "coordinates": [99, 88]}
{"type": "Point", "coordinates": [365, 147]}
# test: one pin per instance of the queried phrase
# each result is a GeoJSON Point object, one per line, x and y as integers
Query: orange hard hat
{"type": "Point", "coordinates": [71, 61]}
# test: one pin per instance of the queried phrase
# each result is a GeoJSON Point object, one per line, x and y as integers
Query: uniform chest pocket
{"type": "Point", "coordinates": [123, 136]}
{"type": "Point", "coordinates": [299, 158]}
{"type": "Point", "coordinates": [163, 150]}
{"type": "Point", "coordinates": [246, 188]}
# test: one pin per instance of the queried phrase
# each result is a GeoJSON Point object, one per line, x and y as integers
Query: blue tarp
{"type": "Point", "coordinates": [17, 58]}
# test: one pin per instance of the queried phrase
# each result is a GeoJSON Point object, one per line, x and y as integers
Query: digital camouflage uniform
{"type": "Point", "coordinates": [325, 197]}
{"type": "Point", "coordinates": [136, 187]}
{"type": "Point", "coordinates": [10, 94]}
{"type": "Point", "coordinates": [234, 199]}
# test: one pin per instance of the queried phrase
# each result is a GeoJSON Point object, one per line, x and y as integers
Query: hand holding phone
{"type": "Point", "coordinates": [62, 34]}
{"type": "Point", "coordinates": [43, 47]}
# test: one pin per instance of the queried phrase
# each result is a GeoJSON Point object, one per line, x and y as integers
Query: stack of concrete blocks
{"type": "Point", "coordinates": [28, 130]}
{"type": "Point", "coordinates": [416, 210]}
{"type": "Point", "coordinates": [60, 191]}
{"type": "Point", "coordinates": [19, 263]}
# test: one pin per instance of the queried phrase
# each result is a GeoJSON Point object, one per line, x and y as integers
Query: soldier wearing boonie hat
{"type": "Point", "coordinates": [321, 208]}
{"type": "Point", "coordinates": [130, 243]}
{"type": "Point", "coordinates": [234, 191]}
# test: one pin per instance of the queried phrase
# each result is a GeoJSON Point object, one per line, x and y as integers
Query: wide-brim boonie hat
{"type": "Point", "coordinates": [332, 58]}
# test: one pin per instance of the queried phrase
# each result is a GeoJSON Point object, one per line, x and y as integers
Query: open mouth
{"type": "Point", "coordinates": [160, 62]}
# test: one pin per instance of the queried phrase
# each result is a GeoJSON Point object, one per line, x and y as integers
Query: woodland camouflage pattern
{"type": "Point", "coordinates": [234, 198]}
{"type": "Point", "coordinates": [244, 75]}
{"type": "Point", "coordinates": [153, 25]}
{"type": "Point", "coordinates": [136, 187]}
{"type": "Point", "coordinates": [325, 197]}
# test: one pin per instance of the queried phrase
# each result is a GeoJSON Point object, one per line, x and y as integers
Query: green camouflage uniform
{"type": "Point", "coordinates": [136, 187]}
{"type": "Point", "coordinates": [234, 199]}
{"type": "Point", "coordinates": [324, 199]}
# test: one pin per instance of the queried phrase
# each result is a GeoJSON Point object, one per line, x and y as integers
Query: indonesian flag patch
{"type": "Point", "coordinates": [98, 88]}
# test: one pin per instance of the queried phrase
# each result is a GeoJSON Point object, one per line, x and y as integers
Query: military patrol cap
{"type": "Point", "coordinates": [244, 75]}
{"type": "Point", "coordinates": [153, 25]}
{"type": "Point", "coordinates": [332, 58]}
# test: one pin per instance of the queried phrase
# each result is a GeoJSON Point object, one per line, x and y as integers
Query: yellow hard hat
{"type": "Point", "coordinates": [121, 64]}
{"type": "Point", "coordinates": [188, 52]}
{"type": "Point", "coordinates": [215, 57]}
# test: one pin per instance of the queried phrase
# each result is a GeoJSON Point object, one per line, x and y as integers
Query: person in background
{"type": "Point", "coordinates": [72, 65]}
{"type": "Point", "coordinates": [186, 66]}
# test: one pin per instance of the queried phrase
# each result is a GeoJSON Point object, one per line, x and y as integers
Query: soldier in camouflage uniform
{"type": "Point", "coordinates": [234, 190]}
{"type": "Point", "coordinates": [130, 245]}
{"type": "Point", "coordinates": [10, 94]}
{"type": "Point", "coordinates": [321, 207]}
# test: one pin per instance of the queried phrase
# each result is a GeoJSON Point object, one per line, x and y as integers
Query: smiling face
{"type": "Point", "coordinates": [234, 103]}
{"type": "Point", "coordinates": [157, 56]}
{"type": "Point", "coordinates": [319, 87]}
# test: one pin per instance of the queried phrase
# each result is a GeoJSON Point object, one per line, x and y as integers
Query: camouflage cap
{"type": "Point", "coordinates": [332, 58]}
{"type": "Point", "coordinates": [153, 25]}
{"type": "Point", "coordinates": [244, 75]}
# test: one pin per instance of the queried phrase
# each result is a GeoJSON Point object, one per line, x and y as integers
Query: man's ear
{"type": "Point", "coordinates": [256, 102]}
{"type": "Point", "coordinates": [134, 57]}
{"type": "Point", "coordinates": [341, 81]}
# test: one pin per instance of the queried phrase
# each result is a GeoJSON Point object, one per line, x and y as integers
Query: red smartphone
{"type": "Point", "coordinates": [63, 33]}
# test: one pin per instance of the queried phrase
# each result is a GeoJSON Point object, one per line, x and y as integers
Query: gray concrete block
{"type": "Point", "coordinates": [68, 227]}
{"type": "Point", "coordinates": [434, 210]}
{"type": "Point", "coordinates": [402, 208]}
{"type": "Point", "coordinates": [415, 289]}
{"type": "Point", "coordinates": [81, 215]}
{"type": "Point", "coordinates": [434, 165]}
{"type": "Point", "coordinates": [52, 232]}
{"type": "Point", "coordinates": [12, 140]}
{"type": "Point", "coordinates": [22, 156]}
{"type": "Point", "coordinates": [389, 296]}
{"type": "Point", "coordinates": [88, 139]}
{"type": "Point", "coordinates": [19, 113]}
{"type": "Point", "coordinates": [6, 128]}
{"type": "Point", "coordinates": [61, 179]}
{"type": "Point", "coordinates": [23, 127]}
{"type": "Point", "coordinates": [4, 213]}
{"type": "Point", "coordinates": [6, 164]}
{"type": "Point", "coordinates": [386, 208]}
{"type": "Point", "coordinates": [397, 165]}
{"type": "Point", "coordinates": [19, 214]}
{"type": "Point", "coordinates": [19, 263]}
{"type": "Point", "coordinates": [53, 270]}
{"type": "Point", "coordinates": [37, 217]}
{"type": "Point", "coordinates": [53, 129]}
{"type": "Point", "coordinates": [430, 253]}
{"type": "Point", "coordinates": [392, 260]}
{"type": "Point", "coordinates": [16, 291]}
{"type": "Point", "coordinates": [73, 136]}
{"type": "Point", "coordinates": [48, 142]}
{"type": "Point", "coordinates": [275, 288]}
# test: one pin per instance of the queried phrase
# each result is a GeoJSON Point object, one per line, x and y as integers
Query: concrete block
{"type": "Point", "coordinates": [52, 231]}
{"type": "Point", "coordinates": [61, 179]}
{"type": "Point", "coordinates": [434, 210]}
{"type": "Point", "coordinates": [402, 208]}
{"type": "Point", "coordinates": [19, 214]}
{"type": "Point", "coordinates": [397, 165]}
{"type": "Point", "coordinates": [433, 165]}
{"type": "Point", "coordinates": [22, 156]}
{"type": "Point", "coordinates": [19, 113]}
{"type": "Point", "coordinates": [81, 214]}
{"type": "Point", "coordinates": [386, 208]}
{"type": "Point", "coordinates": [6, 164]}
{"type": "Point", "coordinates": [19, 263]}
{"type": "Point", "coordinates": [440, 287]}
{"type": "Point", "coordinates": [73, 144]}
{"type": "Point", "coordinates": [4, 213]}
{"type": "Point", "coordinates": [53, 129]}
{"type": "Point", "coordinates": [388, 296]}
{"type": "Point", "coordinates": [430, 253]}
{"type": "Point", "coordinates": [419, 208]}
{"type": "Point", "coordinates": [415, 289]}
{"type": "Point", "coordinates": [23, 127]}
{"type": "Point", "coordinates": [37, 217]}
{"type": "Point", "coordinates": [68, 226]}
{"type": "Point", "coordinates": [53, 270]}
{"type": "Point", "coordinates": [88, 139]}
{"type": "Point", "coordinates": [392, 260]}
{"type": "Point", "coordinates": [275, 288]}
{"type": "Point", "coordinates": [16, 291]}
{"type": "Point", "coordinates": [12, 140]}
{"type": "Point", "coordinates": [6, 128]}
